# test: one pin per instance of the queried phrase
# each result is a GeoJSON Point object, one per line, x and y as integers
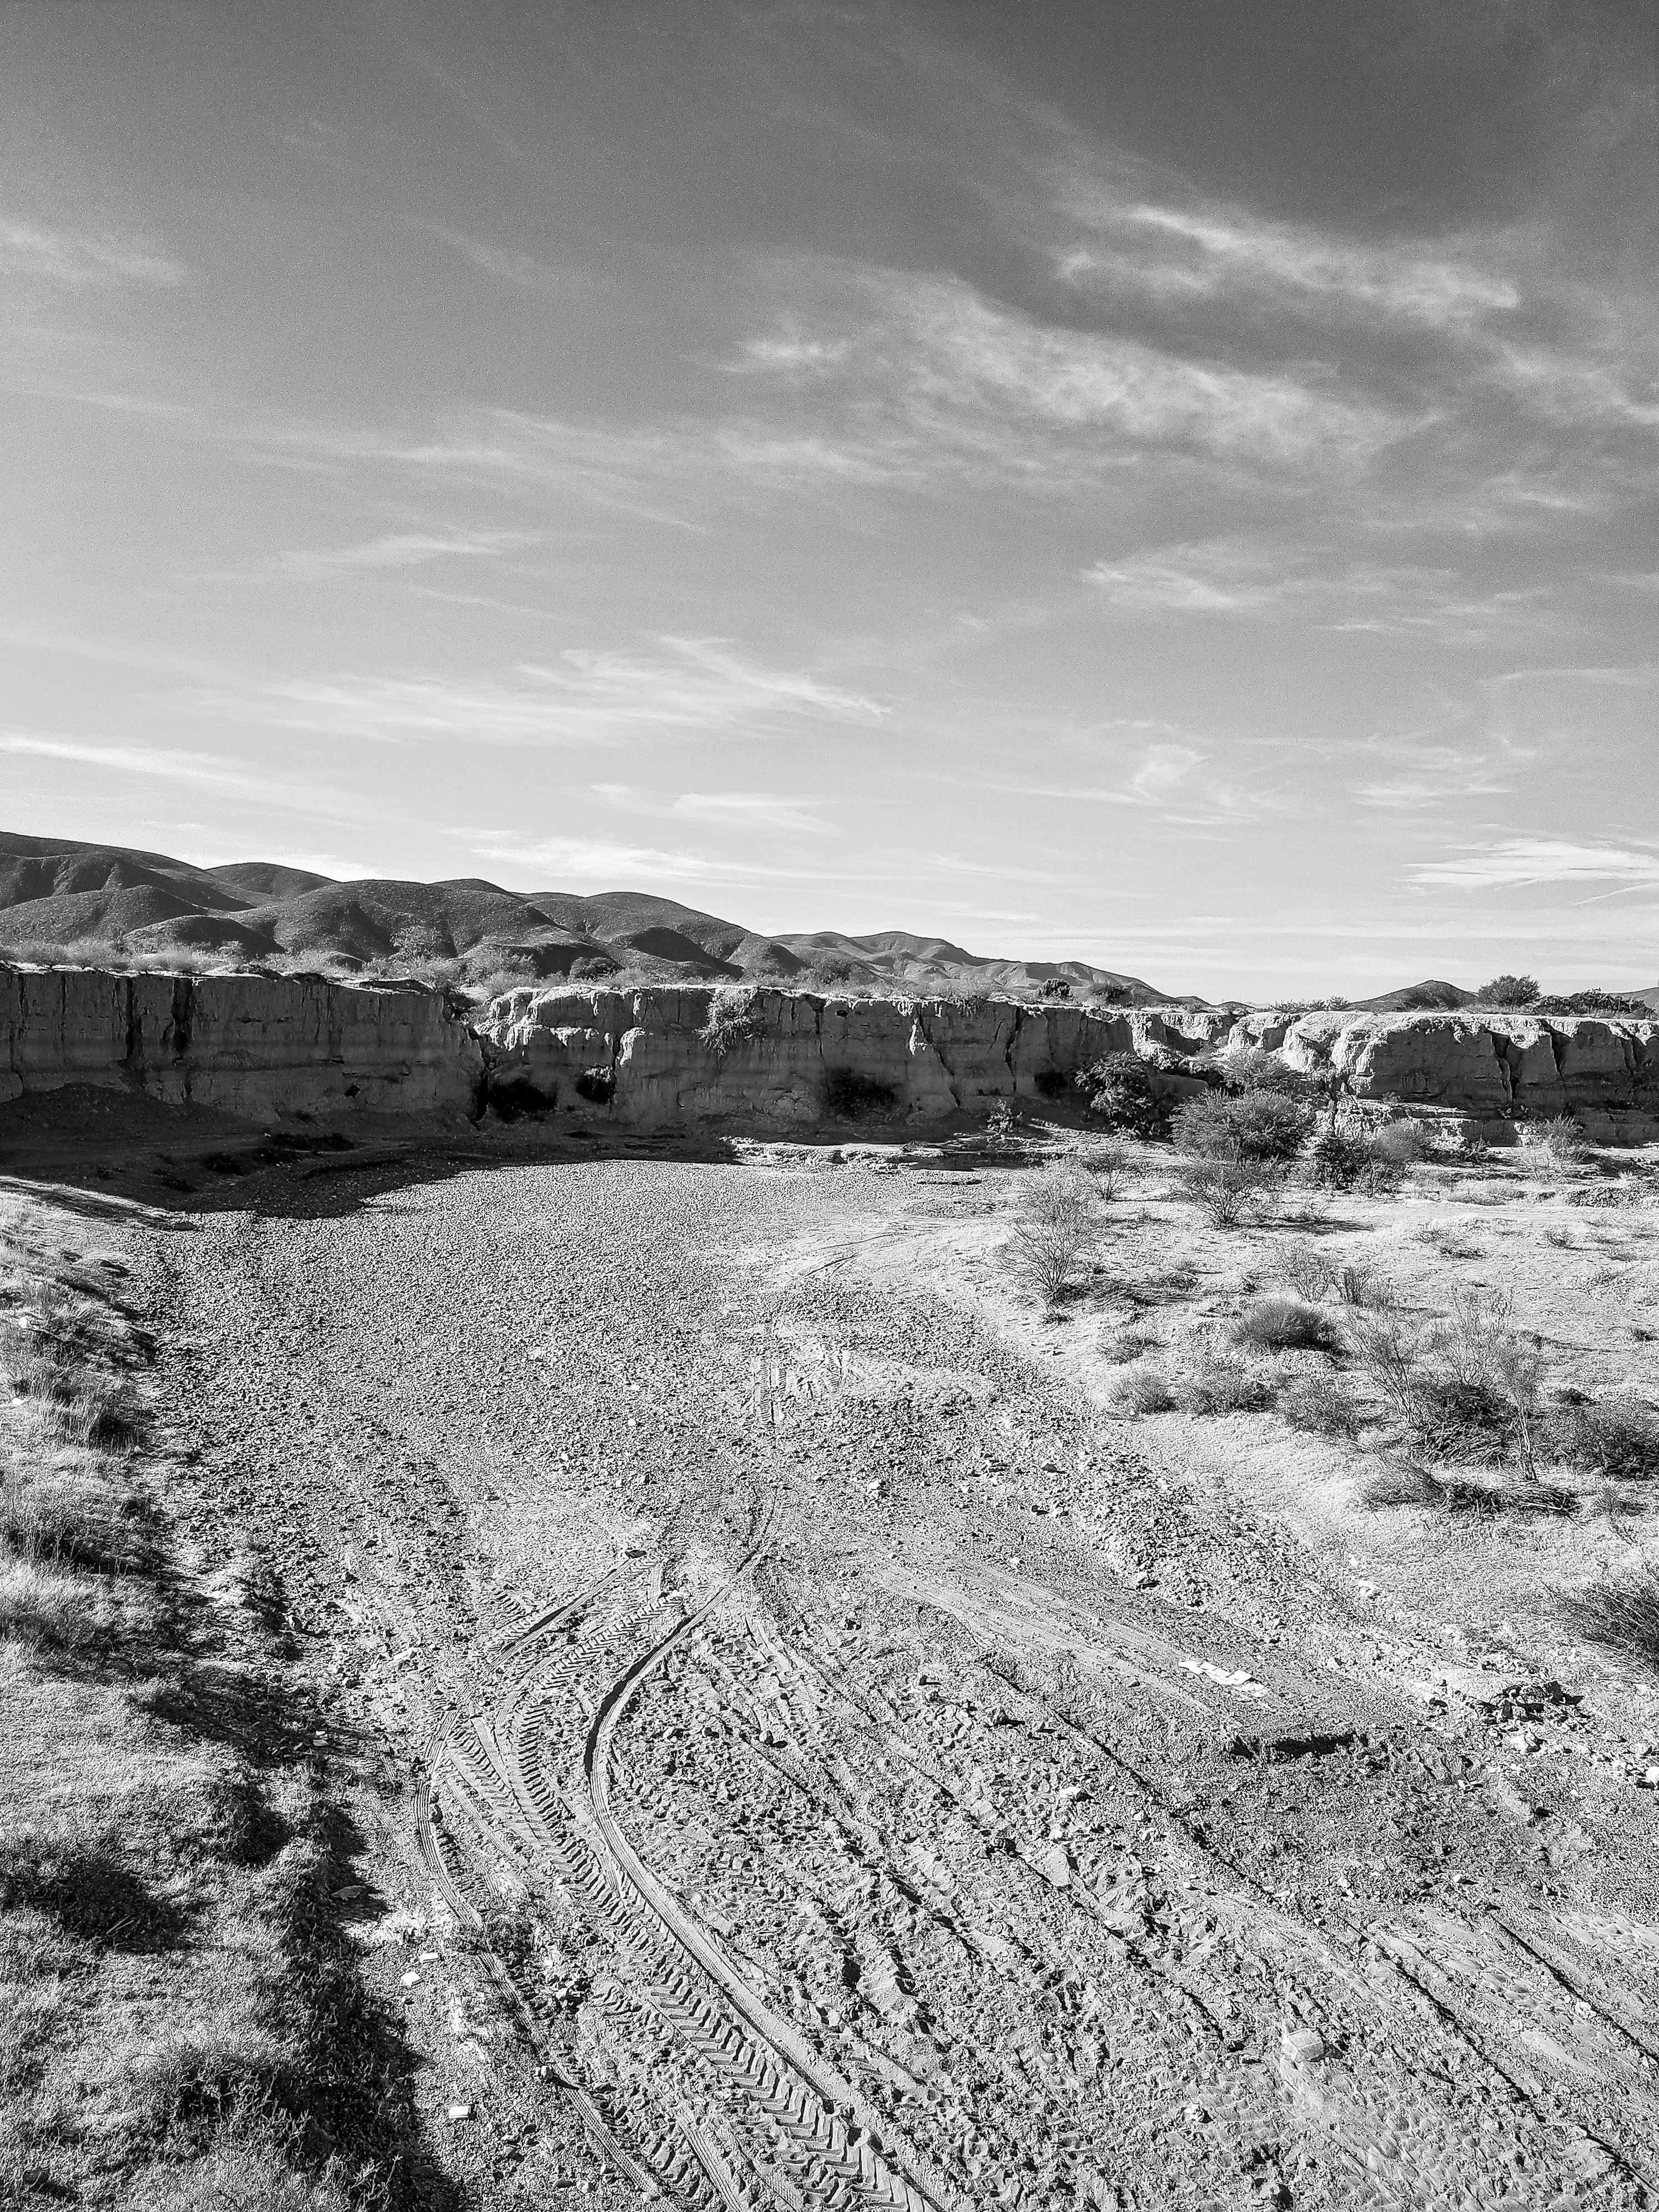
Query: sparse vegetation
{"type": "Point", "coordinates": [1143, 1387]}
{"type": "Point", "coordinates": [1212, 1380]}
{"type": "Point", "coordinates": [155, 1806]}
{"type": "Point", "coordinates": [1245, 1125]}
{"type": "Point", "coordinates": [1615, 1437]}
{"type": "Point", "coordinates": [1120, 1091]}
{"type": "Point", "coordinates": [1290, 1324]}
{"type": "Point", "coordinates": [1624, 1615]}
{"type": "Point", "coordinates": [731, 1020]}
{"type": "Point", "coordinates": [1057, 1228]}
{"type": "Point", "coordinates": [1306, 1271]}
{"type": "Point", "coordinates": [1232, 1192]}
{"type": "Point", "coordinates": [1561, 1147]}
{"type": "Point", "coordinates": [1509, 991]}
{"type": "Point", "coordinates": [1111, 1164]}
{"type": "Point", "coordinates": [1322, 1404]}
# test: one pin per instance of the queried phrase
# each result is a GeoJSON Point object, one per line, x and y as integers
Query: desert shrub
{"type": "Point", "coordinates": [1624, 1615]}
{"type": "Point", "coordinates": [1306, 1271]}
{"type": "Point", "coordinates": [1111, 1164]}
{"type": "Point", "coordinates": [1232, 1192]}
{"type": "Point", "coordinates": [1428, 998]}
{"type": "Point", "coordinates": [1001, 1124]}
{"type": "Point", "coordinates": [596, 1084]}
{"type": "Point", "coordinates": [1143, 1388]}
{"type": "Point", "coordinates": [1283, 1325]}
{"type": "Point", "coordinates": [1254, 1067]}
{"type": "Point", "coordinates": [1471, 1147]}
{"type": "Point", "coordinates": [1559, 1146]}
{"type": "Point", "coordinates": [1119, 1090]}
{"type": "Point", "coordinates": [1595, 1002]}
{"type": "Point", "coordinates": [1617, 1437]}
{"type": "Point", "coordinates": [849, 1096]}
{"type": "Point", "coordinates": [1320, 1405]}
{"type": "Point", "coordinates": [1057, 1227]}
{"type": "Point", "coordinates": [1466, 1388]}
{"type": "Point", "coordinates": [1338, 1158]}
{"type": "Point", "coordinates": [1242, 1126]}
{"type": "Point", "coordinates": [730, 1020]}
{"type": "Point", "coordinates": [1358, 1284]}
{"type": "Point", "coordinates": [1403, 1143]}
{"type": "Point", "coordinates": [1213, 1381]}
{"type": "Point", "coordinates": [592, 967]}
{"type": "Point", "coordinates": [1508, 991]}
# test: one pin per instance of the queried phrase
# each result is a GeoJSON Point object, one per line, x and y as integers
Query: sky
{"type": "Point", "coordinates": [1158, 481]}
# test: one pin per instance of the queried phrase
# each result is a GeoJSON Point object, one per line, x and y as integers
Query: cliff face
{"type": "Point", "coordinates": [258, 1046]}
{"type": "Point", "coordinates": [250, 1045]}
{"type": "Point", "coordinates": [647, 1058]}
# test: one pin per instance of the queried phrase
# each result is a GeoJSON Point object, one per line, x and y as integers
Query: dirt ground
{"type": "Point", "coordinates": [811, 1747]}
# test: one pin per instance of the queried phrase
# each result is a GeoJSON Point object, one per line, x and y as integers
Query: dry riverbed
{"type": "Point", "coordinates": [797, 1740]}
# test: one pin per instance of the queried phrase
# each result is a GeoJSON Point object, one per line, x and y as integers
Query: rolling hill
{"type": "Point", "coordinates": [61, 899]}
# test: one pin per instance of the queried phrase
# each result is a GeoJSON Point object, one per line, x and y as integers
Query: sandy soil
{"type": "Point", "coordinates": [813, 1750]}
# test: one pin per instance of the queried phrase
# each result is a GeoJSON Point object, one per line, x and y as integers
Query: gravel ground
{"type": "Point", "coordinates": [813, 1754]}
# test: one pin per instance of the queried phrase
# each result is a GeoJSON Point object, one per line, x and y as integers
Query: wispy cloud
{"type": "Point", "coordinates": [686, 686]}
{"type": "Point", "coordinates": [405, 550]}
{"type": "Point", "coordinates": [1209, 251]}
{"type": "Point", "coordinates": [214, 772]}
{"type": "Point", "coordinates": [1512, 861]}
{"type": "Point", "coordinates": [77, 260]}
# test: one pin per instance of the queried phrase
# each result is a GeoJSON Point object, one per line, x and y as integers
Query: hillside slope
{"type": "Point", "coordinates": [60, 899]}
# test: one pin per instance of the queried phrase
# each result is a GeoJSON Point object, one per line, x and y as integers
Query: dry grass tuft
{"type": "Point", "coordinates": [1284, 1325]}
{"type": "Point", "coordinates": [39, 1606]}
{"type": "Point", "coordinates": [1320, 1405]}
{"type": "Point", "coordinates": [1622, 1615]}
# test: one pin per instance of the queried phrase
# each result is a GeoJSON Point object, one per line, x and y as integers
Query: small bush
{"type": "Point", "coordinates": [1508, 991]}
{"type": "Point", "coordinates": [1058, 1226]}
{"type": "Point", "coordinates": [1306, 1271]}
{"type": "Point", "coordinates": [1215, 1381]}
{"type": "Point", "coordinates": [1320, 1405]}
{"type": "Point", "coordinates": [1242, 1126]}
{"type": "Point", "coordinates": [1558, 1147]}
{"type": "Point", "coordinates": [1356, 1285]}
{"type": "Point", "coordinates": [1232, 1192]}
{"type": "Point", "coordinates": [1143, 1388]}
{"type": "Point", "coordinates": [1111, 1164]}
{"type": "Point", "coordinates": [1615, 1437]}
{"type": "Point", "coordinates": [596, 1084]}
{"type": "Point", "coordinates": [1283, 1325]}
{"type": "Point", "coordinates": [1623, 1615]}
{"type": "Point", "coordinates": [1403, 1144]}
{"type": "Point", "coordinates": [1119, 1090]}
{"type": "Point", "coordinates": [1350, 1159]}
{"type": "Point", "coordinates": [731, 1020]}
{"type": "Point", "coordinates": [849, 1096]}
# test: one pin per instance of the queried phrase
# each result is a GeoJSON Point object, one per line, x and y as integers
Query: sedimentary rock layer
{"type": "Point", "coordinates": [783, 1060]}
{"type": "Point", "coordinates": [249, 1045]}
{"type": "Point", "coordinates": [261, 1045]}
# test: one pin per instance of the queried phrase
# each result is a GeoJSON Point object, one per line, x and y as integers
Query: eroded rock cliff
{"type": "Point", "coordinates": [260, 1045]}
{"type": "Point", "coordinates": [781, 1059]}
{"type": "Point", "coordinates": [249, 1045]}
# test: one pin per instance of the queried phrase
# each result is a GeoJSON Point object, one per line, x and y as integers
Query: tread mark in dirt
{"type": "Point", "coordinates": [791, 2144]}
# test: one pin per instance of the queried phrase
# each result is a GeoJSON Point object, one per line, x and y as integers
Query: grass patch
{"type": "Point", "coordinates": [1617, 1437]}
{"type": "Point", "coordinates": [1320, 1405]}
{"type": "Point", "coordinates": [1290, 1324]}
{"type": "Point", "coordinates": [1143, 1387]}
{"type": "Point", "coordinates": [1622, 1615]}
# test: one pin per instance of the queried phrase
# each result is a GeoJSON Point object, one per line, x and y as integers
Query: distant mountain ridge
{"type": "Point", "coordinates": [58, 895]}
